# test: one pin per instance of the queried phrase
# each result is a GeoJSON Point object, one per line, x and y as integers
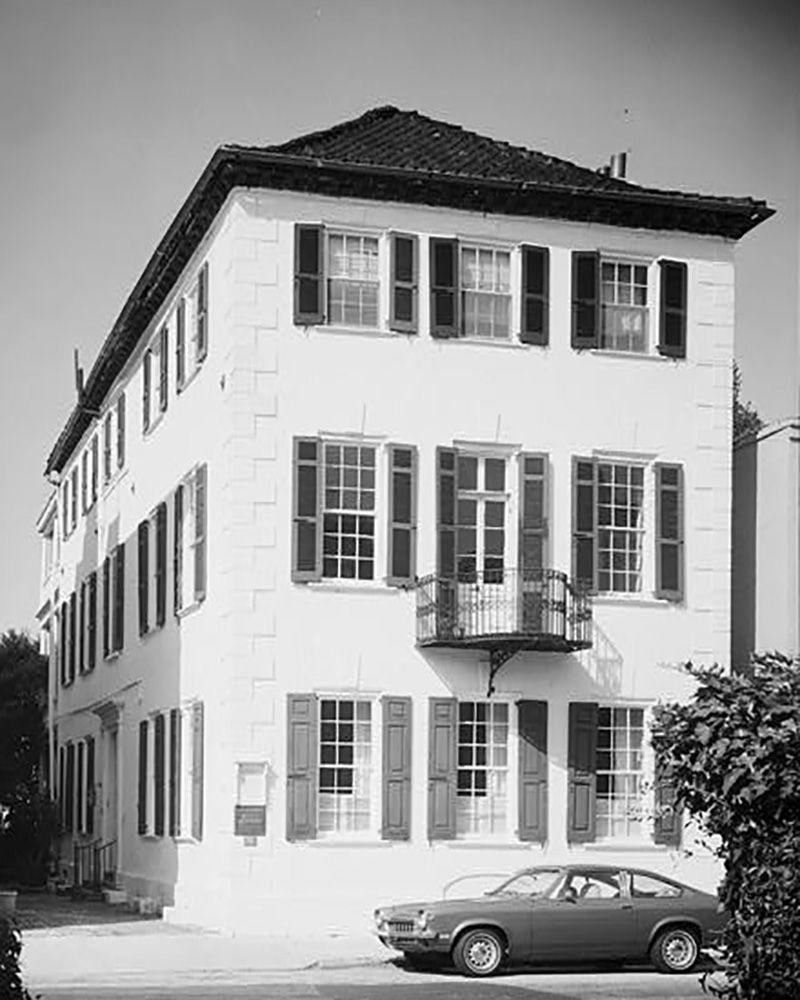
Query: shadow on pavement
{"type": "Point", "coordinates": [41, 910]}
{"type": "Point", "coordinates": [446, 970]}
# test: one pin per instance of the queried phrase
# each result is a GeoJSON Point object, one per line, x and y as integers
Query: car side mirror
{"type": "Point", "coordinates": [569, 899]}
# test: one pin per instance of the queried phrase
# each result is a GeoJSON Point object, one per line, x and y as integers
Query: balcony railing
{"type": "Point", "coordinates": [529, 609]}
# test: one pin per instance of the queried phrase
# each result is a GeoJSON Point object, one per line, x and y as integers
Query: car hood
{"type": "Point", "coordinates": [443, 907]}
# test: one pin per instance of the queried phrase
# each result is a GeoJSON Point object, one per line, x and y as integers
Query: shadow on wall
{"type": "Point", "coordinates": [743, 553]}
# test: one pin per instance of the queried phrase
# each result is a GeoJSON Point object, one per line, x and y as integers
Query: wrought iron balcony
{"type": "Point", "coordinates": [504, 611]}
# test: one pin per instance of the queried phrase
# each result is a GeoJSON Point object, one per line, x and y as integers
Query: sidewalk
{"type": "Point", "coordinates": [125, 950]}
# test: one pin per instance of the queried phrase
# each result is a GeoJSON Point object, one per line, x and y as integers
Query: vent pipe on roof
{"type": "Point", "coordinates": [618, 165]}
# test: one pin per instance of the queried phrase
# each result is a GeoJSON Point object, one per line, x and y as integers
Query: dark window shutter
{"type": "Point", "coordinates": [158, 776]}
{"type": "Point", "coordinates": [144, 582]}
{"type": "Point", "coordinates": [107, 448]}
{"type": "Point", "coordinates": [307, 520]}
{"type": "Point", "coordinates": [95, 463]}
{"type": "Point", "coordinates": [534, 324]}
{"type": "Point", "coordinates": [62, 787]}
{"type": "Point", "coordinates": [202, 313]}
{"type": "Point", "coordinates": [533, 513]}
{"type": "Point", "coordinates": [90, 784]}
{"type": "Point", "coordinates": [200, 531]}
{"type": "Point", "coordinates": [177, 552]}
{"type": "Point", "coordinates": [82, 629]}
{"type": "Point", "coordinates": [197, 769]}
{"type": "Point", "coordinates": [141, 805]}
{"type": "Point", "coordinates": [72, 630]}
{"type": "Point", "coordinates": [69, 813]}
{"type": "Point", "coordinates": [84, 482]}
{"type": "Point", "coordinates": [92, 637]}
{"type": "Point", "coordinates": [121, 431]}
{"type": "Point", "coordinates": [444, 287]}
{"type": "Point", "coordinates": [674, 296]}
{"type": "Point", "coordinates": [106, 606]}
{"type": "Point", "coordinates": [404, 283]}
{"type": "Point", "coordinates": [667, 824]}
{"type": "Point", "coordinates": [163, 369]}
{"type": "Point", "coordinates": [62, 642]}
{"type": "Point", "coordinates": [582, 761]}
{"type": "Point", "coordinates": [301, 767]}
{"type": "Point", "coordinates": [446, 505]}
{"type": "Point", "coordinates": [119, 597]}
{"type": "Point", "coordinates": [442, 746]}
{"type": "Point", "coordinates": [147, 363]}
{"type": "Point", "coordinates": [585, 299]}
{"type": "Point", "coordinates": [180, 345]}
{"type": "Point", "coordinates": [308, 275]}
{"type": "Point", "coordinates": [532, 721]}
{"type": "Point", "coordinates": [174, 772]}
{"type": "Point", "coordinates": [669, 531]}
{"type": "Point", "coordinates": [80, 789]}
{"type": "Point", "coordinates": [161, 564]}
{"type": "Point", "coordinates": [402, 518]}
{"type": "Point", "coordinates": [584, 533]}
{"type": "Point", "coordinates": [396, 812]}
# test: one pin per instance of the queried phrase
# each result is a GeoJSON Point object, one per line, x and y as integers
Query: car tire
{"type": "Point", "coordinates": [478, 952]}
{"type": "Point", "coordinates": [676, 949]}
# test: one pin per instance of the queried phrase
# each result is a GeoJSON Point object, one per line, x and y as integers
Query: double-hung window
{"type": "Point", "coordinates": [190, 539]}
{"type": "Point", "coordinates": [620, 773]}
{"type": "Point", "coordinates": [152, 567]}
{"type": "Point", "coordinates": [347, 778]}
{"type": "Point", "coordinates": [348, 520]}
{"type": "Point", "coordinates": [170, 780]}
{"type": "Point", "coordinates": [114, 600]}
{"type": "Point", "coordinates": [352, 279]}
{"type": "Point", "coordinates": [485, 292]}
{"type": "Point", "coordinates": [191, 334]}
{"type": "Point", "coordinates": [155, 379]}
{"type": "Point", "coordinates": [625, 306]}
{"type": "Point", "coordinates": [482, 774]}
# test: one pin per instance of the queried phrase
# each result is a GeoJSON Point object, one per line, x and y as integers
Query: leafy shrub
{"type": "Point", "coordinates": [11, 986]}
{"type": "Point", "coordinates": [734, 756]}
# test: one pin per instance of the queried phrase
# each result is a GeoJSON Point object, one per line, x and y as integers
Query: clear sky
{"type": "Point", "coordinates": [109, 110]}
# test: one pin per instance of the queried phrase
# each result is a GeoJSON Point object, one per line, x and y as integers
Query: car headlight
{"type": "Point", "coordinates": [380, 919]}
{"type": "Point", "coordinates": [423, 920]}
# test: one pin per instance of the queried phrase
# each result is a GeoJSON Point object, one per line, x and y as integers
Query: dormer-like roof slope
{"type": "Point", "coordinates": [400, 156]}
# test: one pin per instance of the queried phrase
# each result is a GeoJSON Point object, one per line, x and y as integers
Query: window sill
{"type": "Point", "coordinates": [488, 845]}
{"type": "Point", "coordinates": [634, 600]}
{"type": "Point", "coordinates": [113, 655]}
{"type": "Point", "coordinates": [373, 841]}
{"type": "Point", "coordinates": [354, 587]}
{"type": "Point", "coordinates": [189, 377]}
{"type": "Point", "coordinates": [116, 477]}
{"type": "Point", "coordinates": [185, 838]}
{"type": "Point", "coordinates": [151, 631]}
{"type": "Point", "coordinates": [627, 846]}
{"type": "Point", "coordinates": [154, 423]}
{"type": "Point", "coordinates": [603, 352]}
{"type": "Point", "coordinates": [511, 344]}
{"type": "Point", "coordinates": [374, 332]}
{"type": "Point", "coordinates": [190, 609]}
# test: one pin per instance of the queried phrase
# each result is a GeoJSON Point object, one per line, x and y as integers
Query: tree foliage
{"type": "Point", "coordinates": [26, 825]}
{"type": "Point", "coordinates": [746, 421]}
{"type": "Point", "coordinates": [11, 985]}
{"type": "Point", "coordinates": [734, 755]}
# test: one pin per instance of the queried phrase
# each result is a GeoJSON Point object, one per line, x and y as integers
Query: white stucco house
{"type": "Point", "coordinates": [394, 500]}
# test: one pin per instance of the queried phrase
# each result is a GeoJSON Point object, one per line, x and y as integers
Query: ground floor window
{"type": "Point", "coordinates": [482, 774]}
{"type": "Point", "coordinates": [620, 776]}
{"type": "Point", "coordinates": [345, 791]}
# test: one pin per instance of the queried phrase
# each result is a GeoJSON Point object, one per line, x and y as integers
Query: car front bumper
{"type": "Point", "coordinates": [418, 942]}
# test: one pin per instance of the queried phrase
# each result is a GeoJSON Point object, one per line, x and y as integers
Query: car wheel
{"type": "Point", "coordinates": [675, 950]}
{"type": "Point", "coordinates": [478, 952]}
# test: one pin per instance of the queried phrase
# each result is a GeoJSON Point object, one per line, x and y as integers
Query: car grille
{"type": "Point", "coordinates": [401, 926]}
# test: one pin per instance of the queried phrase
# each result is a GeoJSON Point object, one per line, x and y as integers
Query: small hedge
{"type": "Point", "coordinates": [11, 985]}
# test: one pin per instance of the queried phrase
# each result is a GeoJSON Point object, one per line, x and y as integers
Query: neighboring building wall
{"type": "Point", "coordinates": [258, 637]}
{"type": "Point", "coordinates": [765, 584]}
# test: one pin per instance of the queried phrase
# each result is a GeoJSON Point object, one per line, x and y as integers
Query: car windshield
{"type": "Point", "coordinates": [532, 882]}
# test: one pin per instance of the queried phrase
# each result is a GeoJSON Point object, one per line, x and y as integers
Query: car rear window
{"type": "Point", "coordinates": [649, 887]}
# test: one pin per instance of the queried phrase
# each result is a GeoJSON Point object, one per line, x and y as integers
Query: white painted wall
{"type": "Point", "coordinates": [258, 637]}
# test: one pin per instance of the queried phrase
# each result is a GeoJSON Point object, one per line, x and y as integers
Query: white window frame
{"type": "Point", "coordinates": [373, 831]}
{"type": "Point", "coordinates": [74, 478]}
{"type": "Point", "coordinates": [481, 496]}
{"type": "Point", "coordinates": [645, 802]}
{"type": "Point", "coordinates": [511, 294]}
{"type": "Point", "coordinates": [643, 533]}
{"type": "Point", "coordinates": [380, 281]}
{"type": "Point", "coordinates": [377, 513]}
{"type": "Point", "coordinates": [188, 542]}
{"type": "Point", "coordinates": [509, 832]}
{"type": "Point", "coordinates": [626, 258]}
{"type": "Point", "coordinates": [183, 827]}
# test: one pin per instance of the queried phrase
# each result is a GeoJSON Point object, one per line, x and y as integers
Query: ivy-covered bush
{"type": "Point", "coordinates": [11, 985]}
{"type": "Point", "coordinates": [733, 754]}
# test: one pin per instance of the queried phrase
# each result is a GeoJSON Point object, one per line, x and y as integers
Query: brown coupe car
{"type": "Point", "coordinates": [559, 914]}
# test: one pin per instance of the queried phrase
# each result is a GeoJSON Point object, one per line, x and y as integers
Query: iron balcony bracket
{"type": "Point", "coordinates": [498, 656]}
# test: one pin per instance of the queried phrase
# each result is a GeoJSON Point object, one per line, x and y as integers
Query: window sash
{"type": "Point", "coordinates": [347, 775]}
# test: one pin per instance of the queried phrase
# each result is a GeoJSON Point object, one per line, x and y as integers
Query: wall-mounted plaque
{"type": "Point", "coordinates": [250, 821]}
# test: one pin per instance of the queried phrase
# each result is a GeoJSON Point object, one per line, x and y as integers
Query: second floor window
{"type": "Point", "coordinates": [189, 540]}
{"type": "Point", "coordinates": [624, 306]}
{"type": "Point", "coordinates": [353, 287]}
{"type": "Point", "coordinates": [486, 293]}
{"type": "Point", "coordinates": [348, 523]}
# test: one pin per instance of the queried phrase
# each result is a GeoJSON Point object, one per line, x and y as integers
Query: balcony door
{"type": "Point", "coordinates": [485, 592]}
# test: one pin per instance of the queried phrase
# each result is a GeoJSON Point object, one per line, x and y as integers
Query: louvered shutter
{"type": "Point", "coordinates": [177, 552]}
{"type": "Point", "coordinates": [442, 753]}
{"type": "Point", "coordinates": [175, 772]}
{"type": "Point", "coordinates": [307, 520]}
{"type": "Point", "coordinates": [80, 789]}
{"type": "Point", "coordinates": [396, 799]}
{"type": "Point", "coordinates": [141, 805]}
{"type": "Point", "coordinates": [121, 431]}
{"type": "Point", "coordinates": [147, 363]}
{"type": "Point", "coordinates": [119, 597]}
{"type": "Point", "coordinates": [403, 292]}
{"type": "Point", "coordinates": [197, 769]}
{"type": "Point", "coordinates": [584, 529]}
{"type": "Point", "coordinates": [535, 297]}
{"type": "Point", "coordinates": [446, 506]}
{"type": "Point", "coordinates": [532, 724]}
{"type": "Point", "coordinates": [585, 299]}
{"type": "Point", "coordinates": [669, 531]}
{"type": "Point", "coordinates": [90, 792]}
{"type": "Point", "coordinates": [92, 637]}
{"type": "Point", "coordinates": [62, 787]}
{"type": "Point", "coordinates": [309, 275]}
{"type": "Point", "coordinates": [106, 606]}
{"type": "Point", "coordinates": [668, 815]}
{"type": "Point", "coordinates": [672, 314]}
{"type": "Point", "coordinates": [200, 531]}
{"type": "Point", "coordinates": [301, 767]}
{"type": "Point", "coordinates": [69, 815]}
{"type": "Point", "coordinates": [163, 369]}
{"type": "Point", "coordinates": [95, 465]}
{"type": "Point", "coordinates": [444, 287]}
{"type": "Point", "coordinates": [144, 582]}
{"type": "Point", "coordinates": [72, 631]}
{"type": "Point", "coordinates": [582, 767]}
{"type": "Point", "coordinates": [402, 515]}
{"type": "Point", "coordinates": [82, 629]}
{"type": "Point", "coordinates": [158, 776]}
{"type": "Point", "coordinates": [202, 313]}
{"type": "Point", "coordinates": [180, 345]}
{"type": "Point", "coordinates": [161, 564]}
